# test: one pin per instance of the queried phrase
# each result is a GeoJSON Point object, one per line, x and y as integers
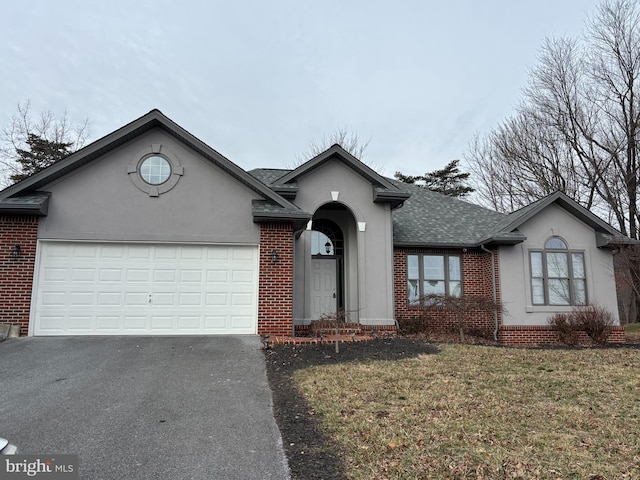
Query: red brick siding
{"type": "Point", "coordinates": [16, 275]}
{"type": "Point", "coordinates": [531, 336]}
{"type": "Point", "coordinates": [275, 290]}
{"type": "Point", "coordinates": [476, 280]}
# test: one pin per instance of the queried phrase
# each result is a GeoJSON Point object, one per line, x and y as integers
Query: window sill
{"type": "Point", "coordinates": [549, 308]}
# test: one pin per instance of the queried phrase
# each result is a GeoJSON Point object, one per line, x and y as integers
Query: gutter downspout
{"type": "Point", "coordinates": [495, 294]}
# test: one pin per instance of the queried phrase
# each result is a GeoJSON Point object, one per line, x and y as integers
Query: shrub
{"type": "Point", "coordinates": [415, 325]}
{"type": "Point", "coordinates": [594, 320]}
{"type": "Point", "coordinates": [564, 324]}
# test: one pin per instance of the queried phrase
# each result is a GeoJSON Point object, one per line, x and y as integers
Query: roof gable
{"type": "Point", "coordinates": [339, 153]}
{"type": "Point", "coordinates": [153, 119]}
{"type": "Point", "coordinates": [606, 234]}
{"type": "Point", "coordinates": [384, 191]}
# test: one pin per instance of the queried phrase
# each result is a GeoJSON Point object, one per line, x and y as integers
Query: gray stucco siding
{"type": "Point", "coordinates": [515, 271]}
{"type": "Point", "coordinates": [369, 256]}
{"type": "Point", "coordinates": [100, 202]}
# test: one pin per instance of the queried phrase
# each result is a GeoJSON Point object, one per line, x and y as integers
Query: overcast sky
{"type": "Point", "coordinates": [258, 80]}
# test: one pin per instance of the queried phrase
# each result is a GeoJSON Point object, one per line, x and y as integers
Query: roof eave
{"type": "Point", "coordinates": [299, 220]}
{"type": "Point", "coordinates": [610, 241]}
{"type": "Point", "coordinates": [492, 241]}
{"type": "Point", "coordinates": [14, 207]}
{"type": "Point", "coordinates": [395, 198]}
{"type": "Point", "coordinates": [289, 193]}
{"type": "Point", "coordinates": [37, 211]}
{"type": "Point", "coordinates": [455, 246]}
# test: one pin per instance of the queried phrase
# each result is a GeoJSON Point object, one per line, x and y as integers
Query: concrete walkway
{"type": "Point", "coordinates": [143, 407]}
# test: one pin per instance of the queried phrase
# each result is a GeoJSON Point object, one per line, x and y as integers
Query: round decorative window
{"type": "Point", "coordinates": [155, 170]}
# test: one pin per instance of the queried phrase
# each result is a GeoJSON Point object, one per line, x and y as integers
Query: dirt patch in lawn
{"type": "Point", "coordinates": [311, 454]}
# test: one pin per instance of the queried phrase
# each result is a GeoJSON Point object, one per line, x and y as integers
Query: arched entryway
{"type": "Point", "coordinates": [332, 257]}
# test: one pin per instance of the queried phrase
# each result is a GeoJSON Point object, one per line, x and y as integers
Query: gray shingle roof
{"type": "Point", "coordinates": [431, 219]}
{"type": "Point", "coordinates": [428, 218]}
{"type": "Point", "coordinates": [268, 175]}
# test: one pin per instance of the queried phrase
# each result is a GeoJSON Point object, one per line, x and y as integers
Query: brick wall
{"type": "Point", "coordinates": [16, 274]}
{"type": "Point", "coordinates": [275, 290]}
{"type": "Point", "coordinates": [531, 336]}
{"type": "Point", "coordinates": [476, 280]}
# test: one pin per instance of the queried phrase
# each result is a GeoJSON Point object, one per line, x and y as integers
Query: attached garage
{"type": "Point", "coordinates": [97, 288]}
{"type": "Point", "coordinates": [147, 231]}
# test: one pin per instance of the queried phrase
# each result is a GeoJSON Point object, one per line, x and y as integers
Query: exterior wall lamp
{"type": "Point", "coordinates": [274, 256]}
{"type": "Point", "coordinates": [16, 251]}
{"type": "Point", "coordinates": [327, 247]}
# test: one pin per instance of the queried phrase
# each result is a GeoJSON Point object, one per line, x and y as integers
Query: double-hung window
{"type": "Point", "coordinates": [558, 275]}
{"type": "Point", "coordinates": [433, 274]}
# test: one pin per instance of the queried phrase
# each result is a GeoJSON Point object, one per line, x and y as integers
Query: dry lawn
{"type": "Point", "coordinates": [483, 412]}
{"type": "Point", "coordinates": [632, 332]}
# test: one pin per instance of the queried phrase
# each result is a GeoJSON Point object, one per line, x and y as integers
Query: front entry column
{"type": "Point", "coordinates": [275, 289]}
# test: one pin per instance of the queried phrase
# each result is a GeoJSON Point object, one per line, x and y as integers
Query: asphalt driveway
{"type": "Point", "coordinates": [143, 407]}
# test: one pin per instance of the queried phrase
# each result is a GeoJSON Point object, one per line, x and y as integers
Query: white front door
{"type": "Point", "coordinates": [323, 287]}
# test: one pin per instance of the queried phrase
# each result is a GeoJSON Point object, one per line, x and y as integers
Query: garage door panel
{"type": "Point", "coordinates": [241, 299]}
{"type": "Point", "coordinates": [239, 321]}
{"type": "Point", "coordinates": [83, 275]}
{"type": "Point", "coordinates": [106, 322]}
{"type": "Point", "coordinates": [109, 299]}
{"type": "Point", "coordinates": [81, 299]}
{"type": "Point", "coordinates": [113, 252]}
{"type": "Point", "coordinates": [136, 299]}
{"type": "Point", "coordinates": [243, 276]}
{"type": "Point", "coordinates": [192, 253]}
{"type": "Point", "coordinates": [190, 276]}
{"type": "Point", "coordinates": [138, 275]}
{"type": "Point", "coordinates": [52, 323]}
{"type": "Point", "coordinates": [162, 322]}
{"type": "Point", "coordinates": [83, 323]}
{"type": "Point", "coordinates": [106, 289]}
{"type": "Point", "coordinates": [242, 254]}
{"type": "Point", "coordinates": [189, 299]}
{"type": "Point", "coordinates": [164, 276]}
{"type": "Point", "coordinates": [218, 276]}
{"type": "Point", "coordinates": [54, 274]}
{"type": "Point", "coordinates": [189, 322]}
{"type": "Point", "coordinates": [216, 299]}
{"type": "Point", "coordinates": [216, 322]}
{"type": "Point", "coordinates": [54, 299]}
{"type": "Point", "coordinates": [132, 322]}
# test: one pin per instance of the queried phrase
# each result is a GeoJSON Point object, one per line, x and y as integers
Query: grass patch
{"type": "Point", "coordinates": [632, 332]}
{"type": "Point", "coordinates": [483, 412]}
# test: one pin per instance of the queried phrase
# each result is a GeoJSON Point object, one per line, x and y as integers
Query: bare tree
{"type": "Point", "coordinates": [578, 126]}
{"type": "Point", "coordinates": [342, 136]}
{"type": "Point", "coordinates": [17, 136]}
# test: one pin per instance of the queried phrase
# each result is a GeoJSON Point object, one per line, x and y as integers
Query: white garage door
{"type": "Point", "coordinates": [141, 289]}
